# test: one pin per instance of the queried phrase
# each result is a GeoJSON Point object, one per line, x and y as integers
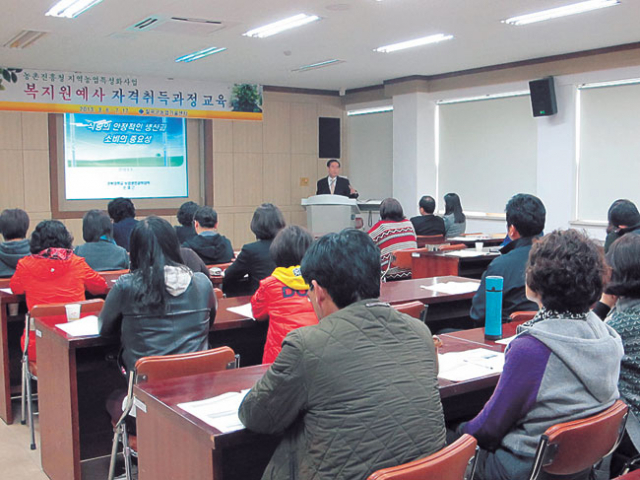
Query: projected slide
{"type": "Point", "coordinates": [108, 156]}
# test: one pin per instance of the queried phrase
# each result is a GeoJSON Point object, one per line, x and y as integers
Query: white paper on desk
{"type": "Point", "coordinates": [80, 328]}
{"type": "Point", "coordinates": [466, 253]}
{"type": "Point", "coordinates": [6, 290]}
{"type": "Point", "coordinates": [244, 310]}
{"type": "Point", "coordinates": [460, 366]}
{"type": "Point", "coordinates": [220, 412]}
{"type": "Point", "coordinates": [452, 287]}
{"type": "Point", "coordinates": [506, 341]}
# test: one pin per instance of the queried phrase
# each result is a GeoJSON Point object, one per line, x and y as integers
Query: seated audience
{"type": "Point", "coordinates": [161, 307]}
{"type": "Point", "coordinates": [254, 262]}
{"type": "Point", "coordinates": [393, 232]}
{"type": "Point", "coordinates": [455, 222]}
{"type": "Point", "coordinates": [623, 294]}
{"type": "Point", "coordinates": [358, 391]}
{"type": "Point", "coordinates": [101, 251]}
{"type": "Point", "coordinates": [282, 297]}
{"type": "Point", "coordinates": [53, 273]}
{"type": "Point", "coordinates": [427, 223]}
{"type": "Point", "coordinates": [208, 243]}
{"type": "Point", "coordinates": [562, 366]}
{"type": "Point", "coordinates": [623, 217]}
{"type": "Point", "coordinates": [185, 215]}
{"type": "Point", "coordinates": [14, 224]}
{"type": "Point", "coordinates": [525, 220]}
{"type": "Point", "coordinates": [122, 212]}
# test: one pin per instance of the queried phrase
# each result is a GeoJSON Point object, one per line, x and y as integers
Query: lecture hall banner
{"type": "Point", "coordinates": [99, 93]}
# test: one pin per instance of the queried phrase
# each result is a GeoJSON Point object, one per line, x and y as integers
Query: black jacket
{"type": "Point", "coordinates": [185, 233]}
{"type": "Point", "coordinates": [10, 253]}
{"type": "Point", "coordinates": [428, 225]}
{"type": "Point", "coordinates": [511, 267]}
{"type": "Point", "coordinates": [184, 328]}
{"type": "Point", "coordinates": [211, 248]}
{"type": "Point", "coordinates": [103, 255]}
{"type": "Point", "coordinates": [253, 260]}
{"type": "Point", "coordinates": [341, 188]}
{"type": "Point", "coordinates": [122, 231]}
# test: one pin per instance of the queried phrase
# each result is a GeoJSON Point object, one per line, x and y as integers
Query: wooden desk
{"type": "Point", "coordinates": [445, 310]}
{"type": "Point", "coordinates": [174, 444]}
{"type": "Point", "coordinates": [10, 327]}
{"type": "Point", "coordinates": [423, 264]}
{"type": "Point", "coordinates": [74, 381]}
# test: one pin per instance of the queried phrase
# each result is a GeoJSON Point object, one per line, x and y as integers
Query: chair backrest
{"type": "Point", "coordinates": [184, 364]}
{"type": "Point", "coordinates": [423, 240]}
{"type": "Point", "coordinates": [403, 258]}
{"type": "Point", "coordinates": [86, 306]}
{"type": "Point", "coordinates": [4, 282]}
{"type": "Point", "coordinates": [413, 309]}
{"type": "Point", "coordinates": [522, 316]}
{"type": "Point", "coordinates": [450, 463]}
{"type": "Point", "coordinates": [576, 446]}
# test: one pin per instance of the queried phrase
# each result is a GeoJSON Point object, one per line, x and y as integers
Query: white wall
{"type": "Point", "coordinates": [414, 143]}
{"type": "Point", "coordinates": [370, 141]}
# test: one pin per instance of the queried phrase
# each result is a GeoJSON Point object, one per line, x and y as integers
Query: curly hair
{"type": "Point", "coordinates": [624, 259]}
{"type": "Point", "coordinates": [50, 234]}
{"type": "Point", "coordinates": [186, 212]}
{"type": "Point", "coordinates": [121, 208]}
{"type": "Point", "coordinates": [566, 269]}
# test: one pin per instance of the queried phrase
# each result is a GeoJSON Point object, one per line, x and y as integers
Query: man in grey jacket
{"type": "Point", "coordinates": [356, 393]}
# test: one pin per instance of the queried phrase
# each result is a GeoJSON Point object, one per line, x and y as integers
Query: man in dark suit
{"type": "Point", "coordinates": [427, 223]}
{"type": "Point", "coordinates": [335, 185]}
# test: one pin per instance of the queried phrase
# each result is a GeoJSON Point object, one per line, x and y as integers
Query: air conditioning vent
{"type": "Point", "coordinates": [24, 39]}
{"type": "Point", "coordinates": [146, 24]}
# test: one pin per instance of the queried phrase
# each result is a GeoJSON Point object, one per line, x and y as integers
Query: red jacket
{"type": "Point", "coordinates": [282, 298]}
{"type": "Point", "coordinates": [44, 281]}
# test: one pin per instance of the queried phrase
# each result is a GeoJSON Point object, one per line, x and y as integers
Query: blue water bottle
{"type": "Point", "coordinates": [493, 312]}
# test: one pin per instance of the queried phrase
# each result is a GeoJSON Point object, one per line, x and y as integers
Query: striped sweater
{"type": "Point", "coordinates": [390, 236]}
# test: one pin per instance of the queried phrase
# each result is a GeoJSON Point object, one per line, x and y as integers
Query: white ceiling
{"type": "Point", "coordinates": [97, 40]}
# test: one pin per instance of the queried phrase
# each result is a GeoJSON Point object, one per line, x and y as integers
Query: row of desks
{"type": "Point", "coordinates": [74, 377]}
{"type": "Point", "coordinates": [174, 444]}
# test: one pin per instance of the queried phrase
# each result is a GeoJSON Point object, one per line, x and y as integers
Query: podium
{"type": "Point", "coordinates": [330, 213]}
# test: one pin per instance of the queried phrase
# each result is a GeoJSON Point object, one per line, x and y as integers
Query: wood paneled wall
{"type": "Point", "coordinates": [253, 162]}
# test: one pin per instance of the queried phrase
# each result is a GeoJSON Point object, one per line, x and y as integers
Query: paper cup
{"type": "Point", "coordinates": [73, 311]}
{"type": "Point", "coordinates": [479, 246]}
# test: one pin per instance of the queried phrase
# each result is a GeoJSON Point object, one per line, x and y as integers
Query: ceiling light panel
{"type": "Point", "coordinates": [564, 11]}
{"type": "Point", "coordinates": [282, 25]}
{"type": "Point", "coordinates": [369, 111]}
{"type": "Point", "coordinates": [71, 8]}
{"type": "Point", "coordinates": [440, 37]}
{"type": "Point", "coordinates": [200, 54]}
{"type": "Point", "coordinates": [314, 66]}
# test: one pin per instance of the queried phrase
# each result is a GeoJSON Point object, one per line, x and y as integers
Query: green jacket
{"type": "Point", "coordinates": [356, 393]}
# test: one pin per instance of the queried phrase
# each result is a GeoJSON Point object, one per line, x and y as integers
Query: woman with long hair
{"type": "Point", "coordinates": [161, 307]}
{"type": "Point", "coordinates": [455, 222]}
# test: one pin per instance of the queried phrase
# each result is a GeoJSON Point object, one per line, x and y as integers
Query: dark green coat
{"type": "Point", "coordinates": [356, 393]}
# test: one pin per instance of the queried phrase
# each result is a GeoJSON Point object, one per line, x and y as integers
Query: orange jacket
{"type": "Point", "coordinates": [285, 304]}
{"type": "Point", "coordinates": [44, 281]}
